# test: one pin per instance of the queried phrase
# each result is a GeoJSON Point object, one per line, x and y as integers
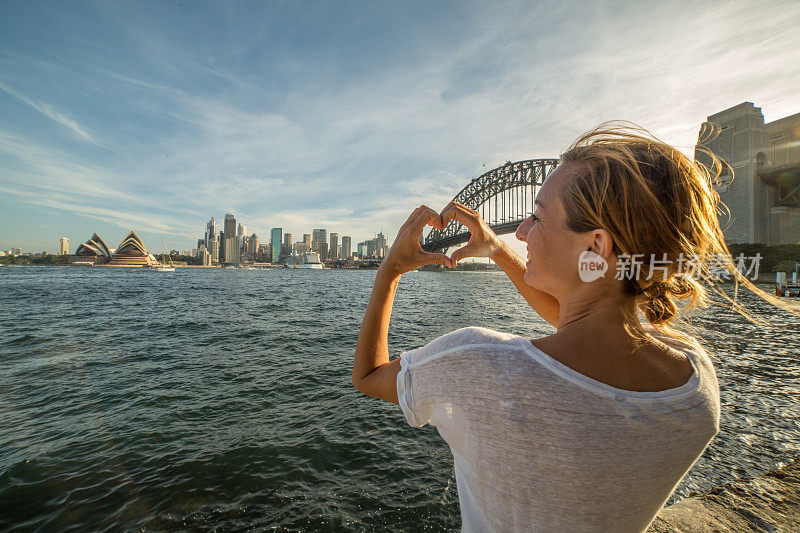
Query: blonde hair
{"type": "Point", "coordinates": [654, 201]}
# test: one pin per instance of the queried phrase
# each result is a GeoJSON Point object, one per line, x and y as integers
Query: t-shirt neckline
{"type": "Point", "coordinates": [589, 383]}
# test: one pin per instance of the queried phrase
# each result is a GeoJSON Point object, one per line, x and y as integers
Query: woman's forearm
{"type": "Point", "coordinates": [372, 348]}
{"type": "Point", "coordinates": [514, 267]}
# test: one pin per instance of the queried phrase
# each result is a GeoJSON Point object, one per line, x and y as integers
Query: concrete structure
{"type": "Point", "coordinates": [334, 247]}
{"type": "Point", "coordinates": [131, 252]}
{"type": "Point", "coordinates": [227, 252]}
{"type": "Point", "coordinates": [319, 243]}
{"type": "Point", "coordinates": [299, 248]}
{"type": "Point", "coordinates": [212, 240]}
{"type": "Point", "coordinates": [93, 251]}
{"type": "Point", "coordinates": [347, 244]}
{"type": "Point", "coordinates": [286, 249]}
{"type": "Point", "coordinates": [307, 241]}
{"type": "Point", "coordinates": [763, 191]}
{"type": "Point", "coordinates": [252, 246]}
{"type": "Point", "coordinates": [275, 244]}
{"type": "Point", "coordinates": [204, 256]}
{"type": "Point", "coordinates": [318, 238]}
{"type": "Point", "coordinates": [63, 246]}
{"type": "Point", "coordinates": [233, 251]}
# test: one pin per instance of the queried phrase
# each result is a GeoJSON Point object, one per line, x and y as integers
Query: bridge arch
{"type": "Point", "coordinates": [503, 196]}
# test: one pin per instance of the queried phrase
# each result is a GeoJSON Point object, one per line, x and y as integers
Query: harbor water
{"type": "Point", "coordinates": [211, 399]}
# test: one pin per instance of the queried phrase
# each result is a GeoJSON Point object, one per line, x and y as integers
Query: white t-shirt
{"type": "Point", "coordinates": [538, 446]}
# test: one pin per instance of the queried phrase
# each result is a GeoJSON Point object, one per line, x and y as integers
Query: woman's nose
{"type": "Point", "coordinates": [522, 230]}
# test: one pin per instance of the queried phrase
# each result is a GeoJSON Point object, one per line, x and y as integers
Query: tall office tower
{"type": "Point", "coordinates": [211, 232]}
{"type": "Point", "coordinates": [380, 246]}
{"type": "Point", "coordinates": [275, 244]}
{"type": "Point", "coordinates": [241, 230]}
{"type": "Point", "coordinates": [244, 244]}
{"type": "Point", "coordinates": [204, 257]}
{"type": "Point", "coordinates": [253, 245]}
{"type": "Point", "coordinates": [346, 247]}
{"type": "Point", "coordinates": [233, 254]}
{"type": "Point", "coordinates": [334, 248]}
{"type": "Point", "coordinates": [64, 246]}
{"type": "Point", "coordinates": [319, 240]}
{"type": "Point", "coordinates": [299, 248]}
{"type": "Point", "coordinates": [230, 228]}
{"type": "Point", "coordinates": [363, 250]}
{"type": "Point", "coordinates": [200, 242]}
{"type": "Point", "coordinates": [222, 247]}
{"type": "Point", "coordinates": [213, 248]}
{"type": "Point", "coordinates": [287, 244]}
{"type": "Point", "coordinates": [763, 193]}
{"type": "Point", "coordinates": [307, 241]}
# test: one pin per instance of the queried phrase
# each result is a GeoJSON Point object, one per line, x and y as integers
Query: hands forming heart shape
{"type": "Point", "coordinates": [407, 254]}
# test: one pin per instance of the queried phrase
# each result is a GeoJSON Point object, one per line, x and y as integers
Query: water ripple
{"type": "Point", "coordinates": [221, 400]}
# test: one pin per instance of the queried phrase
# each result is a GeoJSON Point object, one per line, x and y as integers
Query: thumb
{"type": "Point", "coordinates": [439, 259]}
{"type": "Point", "coordinates": [461, 253]}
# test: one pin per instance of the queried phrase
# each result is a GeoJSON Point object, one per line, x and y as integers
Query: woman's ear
{"type": "Point", "coordinates": [601, 243]}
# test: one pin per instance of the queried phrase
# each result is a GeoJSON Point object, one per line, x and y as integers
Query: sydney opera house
{"type": "Point", "coordinates": [130, 253]}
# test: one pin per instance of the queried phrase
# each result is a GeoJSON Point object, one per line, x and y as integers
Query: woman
{"type": "Point", "coordinates": [590, 428]}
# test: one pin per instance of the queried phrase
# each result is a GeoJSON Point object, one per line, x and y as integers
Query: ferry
{"type": "Point", "coordinates": [307, 260]}
{"type": "Point", "coordinates": [782, 288]}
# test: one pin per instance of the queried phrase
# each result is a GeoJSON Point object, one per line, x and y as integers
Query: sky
{"type": "Point", "coordinates": [153, 116]}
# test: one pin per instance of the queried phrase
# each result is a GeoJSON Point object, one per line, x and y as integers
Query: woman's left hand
{"type": "Point", "coordinates": [406, 253]}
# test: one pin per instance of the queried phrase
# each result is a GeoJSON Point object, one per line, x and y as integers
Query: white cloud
{"type": "Point", "coordinates": [51, 113]}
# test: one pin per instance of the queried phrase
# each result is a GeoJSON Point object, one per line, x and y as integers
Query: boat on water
{"type": "Point", "coordinates": [163, 266]}
{"type": "Point", "coordinates": [306, 260]}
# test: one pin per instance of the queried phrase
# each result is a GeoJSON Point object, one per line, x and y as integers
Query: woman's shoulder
{"type": "Point", "coordinates": [475, 335]}
{"type": "Point", "coordinates": [470, 337]}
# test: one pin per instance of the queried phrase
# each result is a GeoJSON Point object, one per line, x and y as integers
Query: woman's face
{"type": "Point", "coordinates": [553, 249]}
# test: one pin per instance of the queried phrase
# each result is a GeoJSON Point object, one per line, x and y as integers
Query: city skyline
{"type": "Point", "coordinates": [119, 116]}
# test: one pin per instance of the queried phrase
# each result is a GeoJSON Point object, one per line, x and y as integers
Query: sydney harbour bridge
{"type": "Point", "coordinates": [503, 196]}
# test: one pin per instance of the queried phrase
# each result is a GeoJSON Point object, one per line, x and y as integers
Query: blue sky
{"type": "Point", "coordinates": [341, 115]}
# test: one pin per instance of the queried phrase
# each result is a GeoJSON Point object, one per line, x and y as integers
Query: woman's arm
{"type": "Point", "coordinates": [484, 242]}
{"type": "Point", "coordinates": [373, 373]}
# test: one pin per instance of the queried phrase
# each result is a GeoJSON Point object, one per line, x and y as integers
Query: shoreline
{"type": "Point", "coordinates": [769, 502]}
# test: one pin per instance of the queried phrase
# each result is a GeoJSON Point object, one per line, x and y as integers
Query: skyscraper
{"type": "Point", "coordinates": [307, 241]}
{"type": "Point", "coordinates": [287, 244]}
{"type": "Point", "coordinates": [211, 232]}
{"type": "Point", "coordinates": [334, 248]}
{"type": "Point", "coordinates": [380, 245]}
{"type": "Point", "coordinates": [230, 227]}
{"type": "Point", "coordinates": [275, 244]}
{"type": "Point", "coordinates": [64, 246]}
{"type": "Point", "coordinates": [346, 247]}
{"type": "Point", "coordinates": [252, 246]}
{"type": "Point", "coordinates": [319, 238]}
{"type": "Point", "coordinates": [241, 230]}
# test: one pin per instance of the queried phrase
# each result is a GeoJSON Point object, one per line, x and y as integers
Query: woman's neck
{"type": "Point", "coordinates": [609, 313]}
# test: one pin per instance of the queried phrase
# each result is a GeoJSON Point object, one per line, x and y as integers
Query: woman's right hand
{"type": "Point", "coordinates": [483, 241]}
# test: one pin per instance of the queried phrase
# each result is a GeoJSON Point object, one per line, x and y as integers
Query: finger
{"type": "Point", "coordinates": [462, 214]}
{"type": "Point", "coordinates": [461, 253]}
{"type": "Point", "coordinates": [412, 217]}
{"type": "Point", "coordinates": [424, 217]}
{"type": "Point", "coordinates": [437, 259]}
